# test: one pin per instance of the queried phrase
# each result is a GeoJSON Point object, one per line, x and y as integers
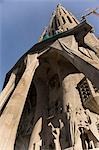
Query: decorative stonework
{"type": "Point", "coordinates": [84, 90]}
{"type": "Point", "coordinates": [50, 99]}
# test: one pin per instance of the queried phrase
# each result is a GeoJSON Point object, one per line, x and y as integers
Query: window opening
{"type": "Point", "coordinates": [63, 20]}
{"type": "Point", "coordinates": [52, 32]}
{"type": "Point", "coordinates": [52, 24]}
{"type": "Point", "coordinates": [84, 90]}
{"type": "Point", "coordinates": [56, 28]}
{"type": "Point", "coordinates": [64, 11]}
{"type": "Point", "coordinates": [58, 22]}
{"type": "Point", "coordinates": [75, 20]}
{"type": "Point", "coordinates": [69, 19]}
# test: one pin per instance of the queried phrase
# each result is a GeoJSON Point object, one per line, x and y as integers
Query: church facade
{"type": "Point", "coordinates": [50, 99]}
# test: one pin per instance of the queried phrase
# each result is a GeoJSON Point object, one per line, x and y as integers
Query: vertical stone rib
{"type": "Point", "coordinates": [7, 90]}
{"type": "Point", "coordinates": [10, 118]}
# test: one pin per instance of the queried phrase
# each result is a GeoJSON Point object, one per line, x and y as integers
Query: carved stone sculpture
{"type": "Point", "coordinates": [50, 99]}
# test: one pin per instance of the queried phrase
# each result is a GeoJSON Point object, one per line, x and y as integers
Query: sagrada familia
{"type": "Point", "coordinates": [50, 98]}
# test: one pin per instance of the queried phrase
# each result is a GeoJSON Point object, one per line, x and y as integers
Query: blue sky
{"type": "Point", "coordinates": [22, 21]}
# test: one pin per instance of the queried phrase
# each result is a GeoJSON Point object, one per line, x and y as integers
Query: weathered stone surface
{"type": "Point", "coordinates": [52, 103]}
{"type": "Point", "coordinates": [10, 118]}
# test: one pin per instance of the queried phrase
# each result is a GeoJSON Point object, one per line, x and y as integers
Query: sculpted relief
{"type": "Point", "coordinates": [56, 115]}
{"type": "Point", "coordinates": [50, 99]}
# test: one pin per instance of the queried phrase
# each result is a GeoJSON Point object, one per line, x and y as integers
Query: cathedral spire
{"type": "Point", "coordinates": [61, 20]}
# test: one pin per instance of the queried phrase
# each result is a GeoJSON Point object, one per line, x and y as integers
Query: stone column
{"type": "Point", "coordinates": [10, 118]}
{"type": "Point", "coordinates": [39, 124]}
{"type": "Point", "coordinates": [8, 89]}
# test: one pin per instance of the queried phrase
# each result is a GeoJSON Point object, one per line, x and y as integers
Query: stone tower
{"type": "Point", "coordinates": [50, 98]}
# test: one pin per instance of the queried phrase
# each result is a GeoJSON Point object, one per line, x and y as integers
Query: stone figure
{"type": "Point", "coordinates": [50, 98]}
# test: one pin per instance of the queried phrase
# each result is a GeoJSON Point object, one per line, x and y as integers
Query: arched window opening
{"type": "Point", "coordinates": [69, 19]}
{"type": "Point", "coordinates": [63, 20]}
